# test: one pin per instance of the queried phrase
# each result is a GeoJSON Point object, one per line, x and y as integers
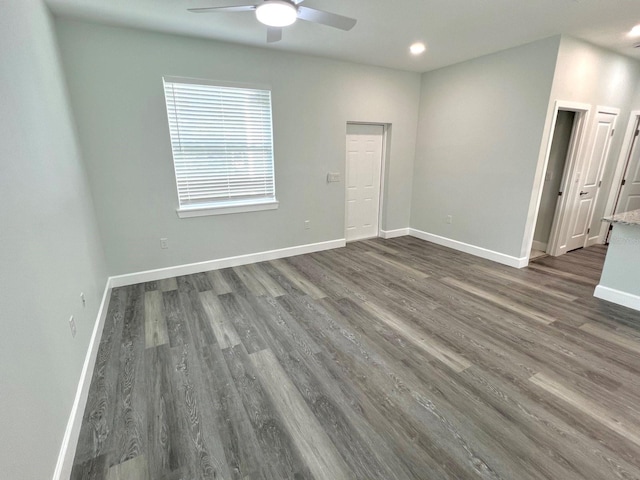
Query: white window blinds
{"type": "Point", "coordinates": [222, 144]}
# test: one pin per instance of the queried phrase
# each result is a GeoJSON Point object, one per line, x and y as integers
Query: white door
{"type": "Point", "coordinates": [590, 180]}
{"type": "Point", "coordinates": [364, 165]}
{"type": "Point", "coordinates": [629, 198]}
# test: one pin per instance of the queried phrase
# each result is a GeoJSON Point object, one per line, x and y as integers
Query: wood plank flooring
{"type": "Point", "coordinates": [387, 359]}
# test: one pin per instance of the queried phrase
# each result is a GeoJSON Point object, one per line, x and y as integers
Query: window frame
{"type": "Point", "coordinates": [222, 207]}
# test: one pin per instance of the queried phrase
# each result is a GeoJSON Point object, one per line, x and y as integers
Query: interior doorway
{"type": "Point", "coordinates": [625, 191]}
{"type": "Point", "coordinates": [556, 165]}
{"type": "Point", "coordinates": [364, 165]}
{"type": "Point", "coordinates": [561, 177]}
{"type": "Point", "coordinates": [584, 160]}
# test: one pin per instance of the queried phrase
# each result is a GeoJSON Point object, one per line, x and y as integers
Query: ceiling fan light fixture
{"type": "Point", "coordinates": [634, 32]}
{"type": "Point", "coordinates": [276, 13]}
{"type": "Point", "coordinates": [417, 48]}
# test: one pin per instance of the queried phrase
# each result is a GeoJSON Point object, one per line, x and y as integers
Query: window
{"type": "Point", "coordinates": [221, 138]}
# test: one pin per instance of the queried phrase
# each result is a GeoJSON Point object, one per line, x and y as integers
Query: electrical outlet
{"type": "Point", "coordinates": [307, 224]}
{"type": "Point", "coordinates": [333, 177]}
{"type": "Point", "coordinates": [164, 243]}
{"type": "Point", "coordinates": [72, 325]}
{"type": "Point", "coordinates": [449, 219]}
{"type": "Point", "coordinates": [83, 299]}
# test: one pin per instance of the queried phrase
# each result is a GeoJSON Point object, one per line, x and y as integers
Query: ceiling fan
{"type": "Point", "coordinates": [276, 14]}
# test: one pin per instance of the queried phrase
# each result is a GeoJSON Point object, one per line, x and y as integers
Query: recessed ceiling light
{"type": "Point", "coordinates": [635, 31]}
{"type": "Point", "coordinates": [417, 48]}
{"type": "Point", "coordinates": [276, 13]}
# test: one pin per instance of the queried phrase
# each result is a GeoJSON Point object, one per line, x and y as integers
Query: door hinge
{"type": "Point", "coordinates": [637, 133]}
{"type": "Point", "coordinates": [613, 130]}
{"type": "Point", "coordinates": [599, 183]}
{"type": "Point", "coordinates": [559, 194]}
{"type": "Point", "coordinates": [610, 226]}
{"type": "Point", "coordinates": [588, 230]}
{"type": "Point", "coordinates": [624, 181]}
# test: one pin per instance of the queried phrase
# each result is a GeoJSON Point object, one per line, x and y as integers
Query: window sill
{"type": "Point", "coordinates": [204, 211]}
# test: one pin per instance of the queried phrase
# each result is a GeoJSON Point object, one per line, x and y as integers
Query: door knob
{"type": "Point", "coordinates": [583, 193]}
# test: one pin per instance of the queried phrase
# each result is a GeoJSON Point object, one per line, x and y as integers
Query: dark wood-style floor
{"type": "Point", "coordinates": [394, 359]}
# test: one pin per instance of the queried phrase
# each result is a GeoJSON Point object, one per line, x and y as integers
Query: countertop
{"type": "Point", "coordinates": [627, 218]}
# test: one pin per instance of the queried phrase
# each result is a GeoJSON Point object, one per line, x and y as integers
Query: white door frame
{"type": "Point", "coordinates": [576, 147]}
{"type": "Point", "coordinates": [616, 182]}
{"type": "Point", "coordinates": [386, 127]}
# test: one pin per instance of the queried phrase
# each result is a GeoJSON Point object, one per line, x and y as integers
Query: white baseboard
{"type": "Point", "coordinates": [536, 245]}
{"type": "Point", "coordinates": [72, 432]}
{"type": "Point", "coordinates": [594, 241]}
{"type": "Point", "coordinates": [188, 269]}
{"type": "Point", "coordinates": [472, 249]}
{"type": "Point", "coordinates": [400, 232]}
{"type": "Point", "coordinates": [617, 296]}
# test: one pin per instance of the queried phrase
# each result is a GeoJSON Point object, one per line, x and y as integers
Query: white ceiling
{"type": "Point", "coordinates": [454, 30]}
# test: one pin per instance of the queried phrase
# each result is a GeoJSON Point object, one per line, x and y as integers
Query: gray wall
{"type": "Point", "coordinates": [589, 74]}
{"type": "Point", "coordinates": [50, 247]}
{"type": "Point", "coordinates": [115, 81]}
{"type": "Point", "coordinates": [553, 177]}
{"type": "Point", "coordinates": [635, 102]}
{"type": "Point", "coordinates": [479, 134]}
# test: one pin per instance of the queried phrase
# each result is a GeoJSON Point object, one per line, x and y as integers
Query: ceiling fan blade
{"type": "Point", "coordinates": [326, 18]}
{"type": "Point", "coordinates": [274, 34]}
{"type": "Point", "coordinates": [230, 8]}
